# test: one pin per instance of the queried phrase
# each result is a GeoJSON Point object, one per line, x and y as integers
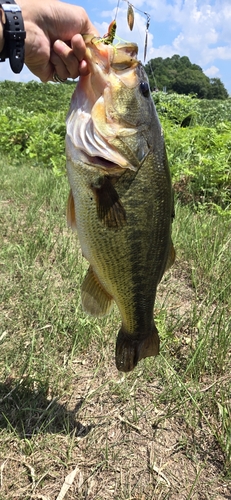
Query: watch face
{"type": "Point", "coordinates": [11, 7]}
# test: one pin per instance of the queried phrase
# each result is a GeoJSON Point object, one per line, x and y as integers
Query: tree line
{"type": "Point", "coordinates": [178, 74]}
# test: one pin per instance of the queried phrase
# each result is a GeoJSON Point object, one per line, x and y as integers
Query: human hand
{"type": "Point", "coordinates": [53, 38]}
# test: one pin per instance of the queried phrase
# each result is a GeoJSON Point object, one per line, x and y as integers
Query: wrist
{"type": "Point", "coordinates": [13, 35]}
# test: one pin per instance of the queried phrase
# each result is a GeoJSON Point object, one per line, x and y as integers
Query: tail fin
{"type": "Point", "coordinates": [130, 349]}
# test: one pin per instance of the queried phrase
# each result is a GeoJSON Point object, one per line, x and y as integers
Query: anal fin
{"type": "Point", "coordinates": [95, 300]}
{"type": "Point", "coordinates": [171, 256]}
{"type": "Point", "coordinates": [71, 220]}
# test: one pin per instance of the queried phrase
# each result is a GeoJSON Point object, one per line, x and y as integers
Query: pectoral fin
{"type": "Point", "coordinates": [109, 207]}
{"type": "Point", "coordinates": [95, 300]}
{"type": "Point", "coordinates": [71, 220]}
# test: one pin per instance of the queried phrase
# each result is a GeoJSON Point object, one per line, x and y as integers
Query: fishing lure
{"type": "Point", "coordinates": [130, 16]}
{"type": "Point", "coordinates": [146, 35]}
{"type": "Point", "coordinates": [130, 20]}
{"type": "Point", "coordinates": [110, 35]}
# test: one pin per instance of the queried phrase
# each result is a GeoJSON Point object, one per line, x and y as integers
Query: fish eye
{"type": "Point", "coordinates": [144, 88]}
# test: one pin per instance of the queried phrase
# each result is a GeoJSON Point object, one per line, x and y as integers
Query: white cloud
{"type": "Point", "coordinates": [162, 51]}
{"type": "Point", "coordinates": [212, 72]}
{"type": "Point", "coordinates": [201, 24]}
{"type": "Point", "coordinates": [203, 28]}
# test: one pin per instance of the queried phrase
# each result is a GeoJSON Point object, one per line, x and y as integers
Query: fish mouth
{"type": "Point", "coordinates": [120, 56]}
{"type": "Point", "coordinates": [91, 124]}
{"type": "Point", "coordinates": [104, 60]}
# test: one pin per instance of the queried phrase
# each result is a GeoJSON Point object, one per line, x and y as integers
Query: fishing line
{"type": "Point", "coordinates": [130, 20]}
{"type": "Point", "coordinates": [117, 8]}
{"type": "Point", "coordinates": [136, 8]}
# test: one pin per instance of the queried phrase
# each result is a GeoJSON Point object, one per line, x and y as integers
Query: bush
{"type": "Point", "coordinates": [197, 134]}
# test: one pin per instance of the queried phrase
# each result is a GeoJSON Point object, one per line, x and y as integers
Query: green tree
{"type": "Point", "coordinates": [217, 89]}
{"type": "Point", "coordinates": [191, 82]}
{"type": "Point", "coordinates": [179, 75]}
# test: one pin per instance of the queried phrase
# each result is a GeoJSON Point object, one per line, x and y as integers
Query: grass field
{"type": "Point", "coordinates": [160, 432]}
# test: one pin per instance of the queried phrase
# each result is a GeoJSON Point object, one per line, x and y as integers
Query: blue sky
{"type": "Point", "coordinates": [199, 29]}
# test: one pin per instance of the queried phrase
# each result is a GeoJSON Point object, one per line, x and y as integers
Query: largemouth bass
{"type": "Point", "coordinates": [121, 199]}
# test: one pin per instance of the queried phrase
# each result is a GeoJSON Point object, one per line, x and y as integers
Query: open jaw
{"type": "Point", "coordinates": [89, 144]}
{"type": "Point", "coordinates": [90, 126]}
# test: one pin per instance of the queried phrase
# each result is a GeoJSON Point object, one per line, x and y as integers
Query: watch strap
{"type": "Point", "coordinates": [14, 35]}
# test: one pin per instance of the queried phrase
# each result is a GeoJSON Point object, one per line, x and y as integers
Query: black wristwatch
{"type": "Point", "coordinates": [14, 35]}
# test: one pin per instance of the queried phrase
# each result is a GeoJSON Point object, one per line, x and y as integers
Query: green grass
{"type": "Point", "coordinates": [197, 135]}
{"type": "Point", "coordinates": [42, 272]}
{"type": "Point", "coordinates": [62, 401]}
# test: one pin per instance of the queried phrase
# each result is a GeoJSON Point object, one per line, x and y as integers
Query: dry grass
{"type": "Point", "coordinates": [124, 443]}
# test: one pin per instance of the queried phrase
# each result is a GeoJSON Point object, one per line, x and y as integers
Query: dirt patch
{"type": "Point", "coordinates": [122, 442]}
